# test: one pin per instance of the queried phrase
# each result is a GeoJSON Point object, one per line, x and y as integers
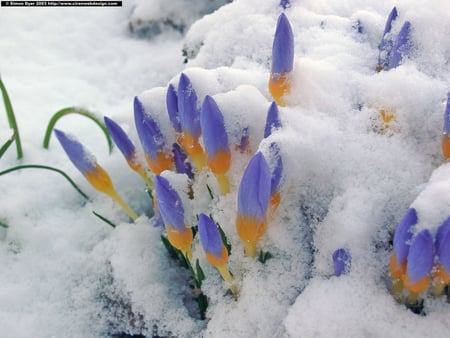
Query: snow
{"type": "Point", "coordinates": [347, 182]}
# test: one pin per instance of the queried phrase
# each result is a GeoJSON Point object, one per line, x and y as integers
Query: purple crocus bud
{"type": "Point", "coordinates": [169, 204]}
{"type": "Point", "coordinates": [403, 236]}
{"type": "Point", "coordinates": [386, 43]}
{"type": "Point", "coordinates": [215, 136]}
{"type": "Point", "coordinates": [402, 46]}
{"type": "Point", "coordinates": [342, 261]}
{"type": "Point", "coordinates": [285, 4]}
{"type": "Point", "coordinates": [210, 236]}
{"type": "Point", "coordinates": [253, 203]}
{"type": "Point", "coordinates": [182, 165]}
{"type": "Point", "coordinates": [81, 158]}
{"type": "Point", "coordinates": [283, 47]}
{"type": "Point", "coordinates": [172, 108]}
{"type": "Point", "coordinates": [443, 245]}
{"type": "Point", "coordinates": [272, 120]}
{"type": "Point", "coordinates": [254, 190]}
{"type": "Point", "coordinates": [187, 107]}
{"type": "Point", "coordinates": [152, 140]}
{"type": "Point", "coordinates": [447, 116]}
{"type": "Point", "coordinates": [121, 139]}
{"type": "Point", "coordinates": [420, 262]}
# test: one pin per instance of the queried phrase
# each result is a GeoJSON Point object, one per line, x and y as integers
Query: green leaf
{"type": "Point", "coordinates": [5, 147]}
{"type": "Point", "coordinates": [104, 219]}
{"type": "Point", "coordinates": [37, 166]}
{"type": "Point", "coordinates": [200, 273]}
{"type": "Point", "coordinates": [264, 256]}
{"type": "Point", "coordinates": [11, 119]}
{"type": "Point", "coordinates": [210, 192]}
{"type": "Point", "coordinates": [202, 302]}
{"type": "Point", "coordinates": [79, 111]}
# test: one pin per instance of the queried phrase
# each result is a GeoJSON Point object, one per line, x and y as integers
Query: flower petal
{"type": "Point", "coordinates": [443, 244]}
{"type": "Point", "coordinates": [121, 139]}
{"type": "Point", "coordinates": [83, 160]}
{"type": "Point", "coordinates": [272, 121]}
{"type": "Point", "coordinates": [403, 236]}
{"type": "Point", "coordinates": [169, 204]}
{"type": "Point", "coordinates": [210, 235]}
{"type": "Point", "coordinates": [420, 257]}
{"type": "Point", "coordinates": [342, 261]}
{"type": "Point", "coordinates": [182, 165]}
{"type": "Point", "coordinates": [402, 46]}
{"type": "Point", "coordinates": [283, 47]}
{"type": "Point", "coordinates": [447, 116]}
{"type": "Point", "coordinates": [215, 136]}
{"type": "Point", "coordinates": [387, 42]}
{"type": "Point", "coordinates": [254, 189]}
{"type": "Point", "coordinates": [187, 107]}
{"type": "Point", "coordinates": [172, 108]}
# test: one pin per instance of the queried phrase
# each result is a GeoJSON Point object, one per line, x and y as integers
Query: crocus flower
{"type": "Point", "coordinates": [342, 261]}
{"type": "Point", "coordinates": [127, 148]}
{"type": "Point", "coordinates": [215, 139]}
{"type": "Point", "coordinates": [282, 60]}
{"type": "Point", "coordinates": [402, 238]}
{"type": "Point", "coordinates": [446, 131]}
{"type": "Point", "coordinates": [441, 275]}
{"type": "Point", "coordinates": [253, 202]}
{"type": "Point", "coordinates": [216, 252]}
{"type": "Point", "coordinates": [272, 121]}
{"type": "Point", "coordinates": [86, 163]}
{"type": "Point", "coordinates": [171, 209]}
{"type": "Point", "coordinates": [402, 46]}
{"type": "Point", "coordinates": [152, 140]}
{"type": "Point", "coordinates": [172, 108]}
{"type": "Point", "coordinates": [419, 263]}
{"type": "Point", "coordinates": [386, 43]}
{"type": "Point", "coordinates": [189, 121]}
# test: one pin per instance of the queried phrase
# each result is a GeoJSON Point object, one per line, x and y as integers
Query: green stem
{"type": "Point", "coordinates": [37, 166]}
{"type": "Point", "coordinates": [11, 118]}
{"type": "Point", "coordinates": [5, 147]}
{"type": "Point", "coordinates": [80, 111]}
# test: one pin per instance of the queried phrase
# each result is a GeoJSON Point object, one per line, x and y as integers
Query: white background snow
{"type": "Point", "coordinates": [65, 273]}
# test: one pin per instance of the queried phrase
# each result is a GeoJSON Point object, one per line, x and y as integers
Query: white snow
{"type": "Point", "coordinates": [65, 273]}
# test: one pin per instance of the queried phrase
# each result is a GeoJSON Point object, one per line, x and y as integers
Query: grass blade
{"type": "Point", "coordinates": [37, 166]}
{"type": "Point", "coordinates": [11, 119]}
{"type": "Point", "coordinates": [104, 219]}
{"type": "Point", "coordinates": [5, 147]}
{"type": "Point", "coordinates": [79, 111]}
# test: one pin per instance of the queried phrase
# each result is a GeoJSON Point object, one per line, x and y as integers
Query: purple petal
{"type": "Point", "coordinates": [254, 189]}
{"type": "Point", "coordinates": [150, 135]}
{"type": "Point", "coordinates": [121, 139]}
{"type": "Point", "coordinates": [169, 204]}
{"type": "Point", "coordinates": [447, 116]}
{"type": "Point", "coordinates": [77, 153]}
{"type": "Point", "coordinates": [342, 261]}
{"type": "Point", "coordinates": [444, 252]}
{"type": "Point", "coordinates": [182, 164]}
{"type": "Point", "coordinates": [386, 41]}
{"type": "Point", "coordinates": [172, 108]}
{"type": "Point", "coordinates": [272, 120]}
{"type": "Point", "coordinates": [215, 136]}
{"type": "Point", "coordinates": [420, 256]}
{"type": "Point", "coordinates": [285, 4]}
{"type": "Point", "coordinates": [187, 107]}
{"type": "Point", "coordinates": [442, 244]}
{"type": "Point", "coordinates": [283, 47]}
{"type": "Point", "coordinates": [403, 236]}
{"type": "Point", "coordinates": [277, 172]}
{"type": "Point", "coordinates": [402, 46]}
{"type": "Point", "coordinates": [209, 235]}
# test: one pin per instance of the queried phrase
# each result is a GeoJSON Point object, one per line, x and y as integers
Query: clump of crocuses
{"type": "Point", "coordinates": [420, 260]}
